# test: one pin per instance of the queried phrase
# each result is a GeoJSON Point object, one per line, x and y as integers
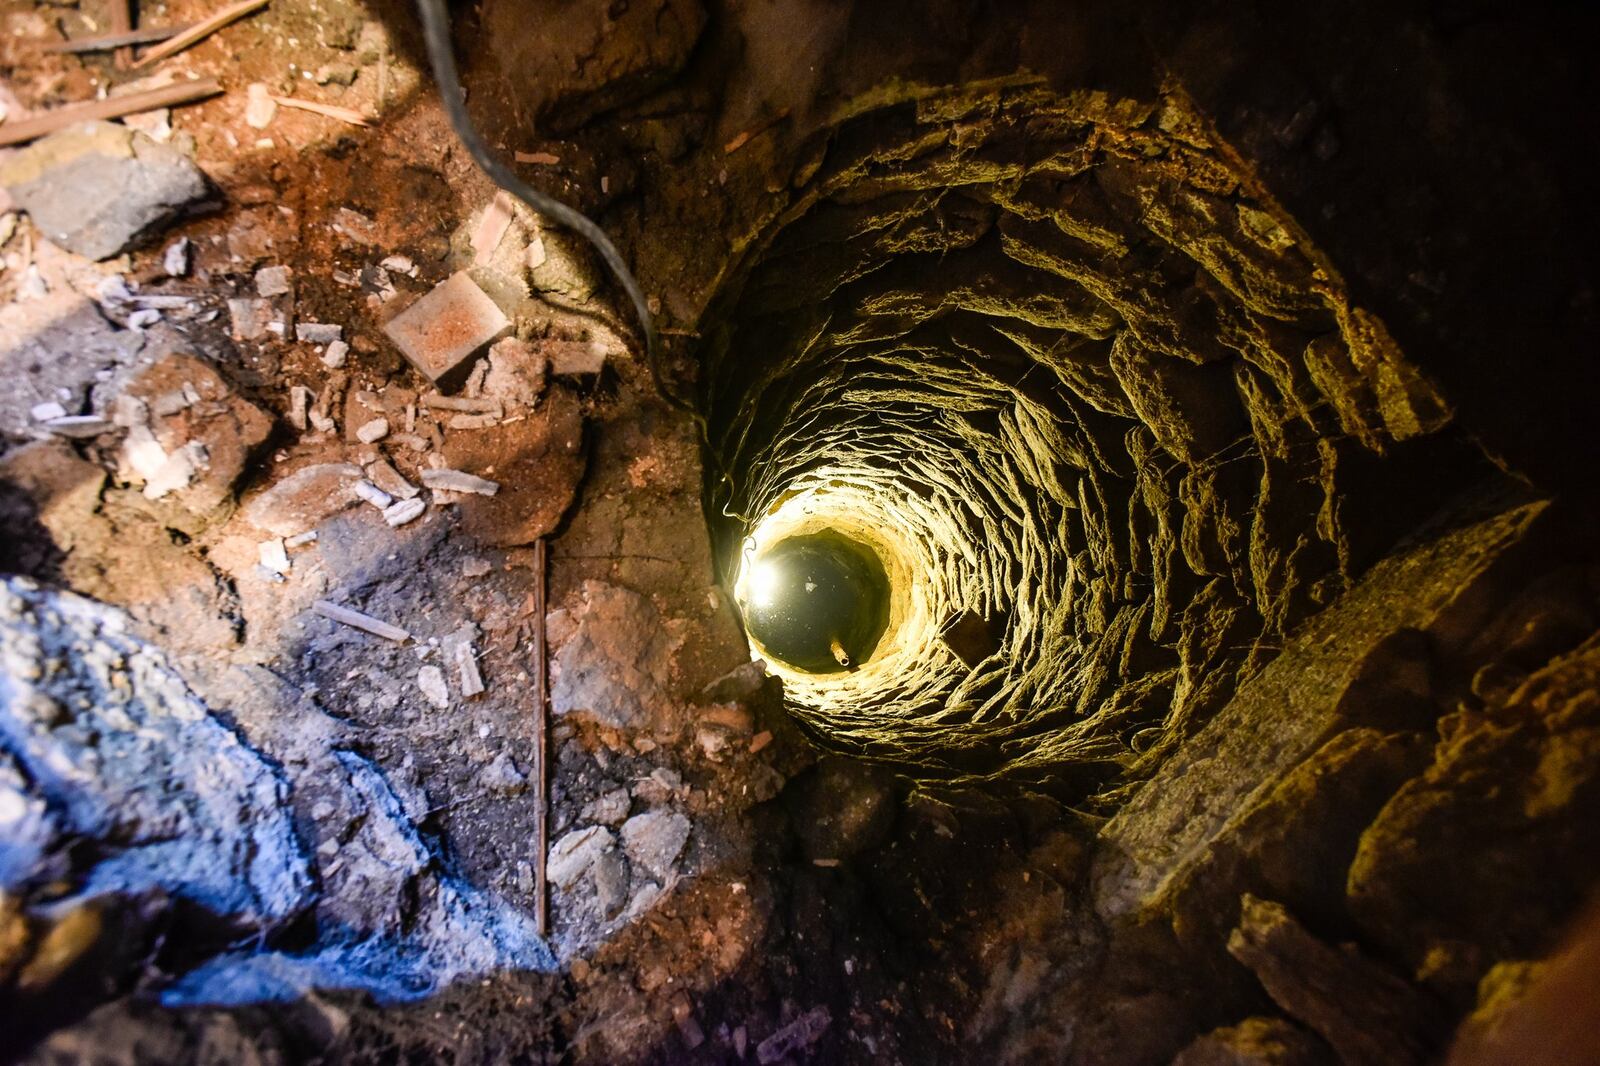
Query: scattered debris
{"type": "Point", "coordinates": [449, 325]}
{"type": "Point", "coordinates": [253, 318]}
{"type": "Point", "coordinates": [96, 189]}
{"type": "Point", "coordinates": [44, 412]}
{"type": "Point", "coordinates": [259, 110]}
{"type": "Point", "coordinates": [387, 478]}
{"type": "Point", "coordinates": [398, 514]}
{"type": "Point", "coordinates": [176, 260]}
{"type": "Point", "coordinates": [299, 405]}
{"type": "Point", "coordinates": [492, 226]}
{"type": "Point", "coordinates": [274, 281]}
{"type": "Point", "coordinates": [317, 332]}
{"type": "Point", "coordinates": [355, 225]}
{"type": "Point", "coordinates": [300, 539]}
{"type": "Point", "coordinates": [400, 264]}
{"type": "Point", "coordinates": [473, 421]}
{"type": "Point", "coordinates": [502, 775]}
{"type": "Point", "coordinates": [373, 494]}
{"type": "Point", "coordinates": [31, 129]}
{"type": "Point", "coordinates": [373, 431]}
{"type": "Point", "coordinates": [78, 426]}
{"type": "Point", "coordinates": [794, 1037]}
{"type": "Point", "coordinates": [342, 114]}
{"type": "Point", "coordinates": [654, 840]}
{"type": "Point", "coordinates": [683, 1015]}
{"type": "Point", "coordinates": [760, 741]}
{"type": "Point", "coordinates": [574, 853]}
{"type": "Point", "coordinates": [540, 158]}
{"type": "Point", "coordinates": [466, 404]}
{"type": "Point", "coordinates": [303, 499]}
{"type": "Point", "coordinates": [364, 622]}
{"type": "Point", "coordinates": [200, 31]}
{"type": "Point", "coordinates": [334, 357]}
{"type": "Point", "coordinates": [274, 555]}
{"type": "Point", "coordinates": [431, 683]}
{"type": "Point", "coordinates": [458, 481]}
{"type": "Point", "coordinates": [470, 677]}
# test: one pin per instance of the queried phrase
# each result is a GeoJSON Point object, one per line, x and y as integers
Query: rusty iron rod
{"type": "Point", "coordinates": [541, 765]}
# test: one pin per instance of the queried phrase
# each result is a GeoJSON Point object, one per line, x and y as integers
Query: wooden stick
{"type": "Point", "coordinates": [541, 769]}
{"type": "Point", "coordinates": [201, 30]}
{"type": "Point", "coordinates": [183, 92]}
{"type": "Point", "coordinates": [365, 622]}
{"type": "Point", "coordinates": [343, 114]}
{"type": "Point", "coordinates": [105, 42]}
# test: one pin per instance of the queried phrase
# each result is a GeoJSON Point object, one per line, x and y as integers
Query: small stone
{"type": "Point", "coordinates": [303, 499]}
{"type": "Point", "coordinates": [336, 74]}
{"type": "Point", "coordinates": [373, 431]}
{"type": "Point", "coordinates": [274, 556]}
{"type": "Point", "coordinates": [355, 225]}
{"type": "Point", "coordinates": [387, 478]}
{"type": "Point", "coordinates": [398, 514]}
{"type": "Point", "coordinates": [251, 317]}
{"type": "Point", "coordinates": [572, 856]}
{"type": "Point", "coordinates": [259, 107]}
{"type": "Point", "coordinates": [610, 882]}
{"type": "Point", "coordinates": [683, 1015]}
{"type": "Point", "coordinates": [502, 775]}
{"type": "Point", "coordinates": [654, 840]}
{"type": "Point", "coordinates": [372, 494]}
{"type": "Point", "coordinates": [794, 1037]}
{"type": "Point", "coordinates": [317, 332]}
{"type": "Point", "coordinates": [431, 683]}
{"type": "Point", "coordinates": [299, 404]}
{"type": "Point", "coordinates": [661, 786]}
{"type": "Point", "coordinates": [44, 412]}
{"type": "Point", "coordinates": [467, 673]}
{"type": "Point", "coordinates": [335, 355]}
{"type": "Point", "coordinates": [611, 808]}
{"type": "Point", "coordinates": [458, 481]}
{"type": "Point", "coordinates": [447, 327]}
{"type": "Point", "coordinates": [175, 261]}
{"type": "Point", "coordinates": [760, 741]}
{"type": "Point", "coordinates": [273, 281]}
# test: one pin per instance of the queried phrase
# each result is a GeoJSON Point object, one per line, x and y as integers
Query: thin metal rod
{"type": "Point", "coordinates": [541, 745]}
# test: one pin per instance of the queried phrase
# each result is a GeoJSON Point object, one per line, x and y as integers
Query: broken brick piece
{"type": "Point", "coordinates": [447, 327]}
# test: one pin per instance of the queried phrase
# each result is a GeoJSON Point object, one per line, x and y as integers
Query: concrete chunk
{"type": "Point", "coordinates": [457, 481]}
{"type": "Point", "coordinates": [97, 188]}
{"type": "Point", "coordinates": [447, 327]}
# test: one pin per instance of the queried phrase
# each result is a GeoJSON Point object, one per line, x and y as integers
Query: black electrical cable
{"type": "Point", "coordinates": [436, 31]}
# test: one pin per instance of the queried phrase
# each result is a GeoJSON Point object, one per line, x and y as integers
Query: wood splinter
{"type": "Point", "coordinates": [200, 31]}
{"type": "Point", "coordinates": [183, 92]}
